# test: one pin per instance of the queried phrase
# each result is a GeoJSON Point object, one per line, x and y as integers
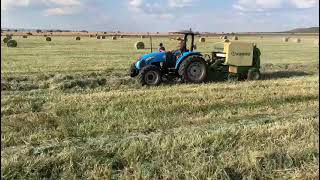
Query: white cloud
{"type": "Point", "coordinates": [5, 4]}
{"type": "Point", "coordinates": [305, 3]}
{"type": "Point", "coordinates": [66, 10]}
{"type": "Point", "coordinates": [180, 3]}
{"type": "Point", "coordinates": [262, 5]}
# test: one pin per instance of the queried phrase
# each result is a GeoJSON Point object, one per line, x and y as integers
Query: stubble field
{"type": "Point", "coordinates": [69, 110]}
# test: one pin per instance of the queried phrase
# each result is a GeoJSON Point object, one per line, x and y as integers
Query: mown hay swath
{"type": "Point", "coordinates": [202, 39]}
{"type": "Point", "coordinates": [139, 45]}
{"type": "Point", "coordinates": [48, 39]}
{"type": "Point", "coordinates": [12, 43]}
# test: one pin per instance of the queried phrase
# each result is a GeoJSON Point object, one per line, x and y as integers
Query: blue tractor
{"type": "Point", "coordinates": [184, 64]}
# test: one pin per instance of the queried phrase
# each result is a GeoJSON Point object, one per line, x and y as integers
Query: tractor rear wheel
{"type": "Point", "coordinates": [254, 75]}
{"type": "Point", "coordinates": [150, 75]}
{"type": "Point", "coordinates": [194, 70]}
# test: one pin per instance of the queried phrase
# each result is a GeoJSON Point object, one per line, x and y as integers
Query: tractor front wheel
{"type": "Point", "coordinates": [150, 75]}
{"type": "Point", "coordinates": [254, 75]}
{"type": "Point", "coordinates": [233, 77]}
{"type": "Point", "coordinates": [194, 69]}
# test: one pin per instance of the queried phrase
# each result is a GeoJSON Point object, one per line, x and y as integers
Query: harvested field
{"type": "Point", "coordinates": [69, 109]}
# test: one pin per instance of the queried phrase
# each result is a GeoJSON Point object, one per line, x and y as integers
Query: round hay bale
{"type": "Point", "coordinates": [224, 37]}
{"type": "Point", "coordinates": [45, 35]}
{"type": "Point", "coordinates": [12, 43]}
{"type": "Point", "coordinates": [142, 37]}
{"type": "Point", "coordinates": [6, 39]}
{"type": "Point", "coordinates": [103, 37]}
{"type": "Point", "coordinates": [235, 38]}
{"type": "Point", "coordinates": [24, 36]}
{"type": "Point", "coordinates": [78, 38]}
{"type": "Point", "coordinates": [297, 40]}
{"type": "Point", "coordinates": [261, 37]}
{"type": "Point", "coordinates": [178, 38]}
{"type": "Point", "coordinates": [98, 37]}
{"type": "Point", "coordinates": [285, 39]}
{"type": "Point", "coordinates": [139, 45]}
{"type": "Point", "coordinates": [114, 37]}
{"type": "Point", "coordinates": [226, 40]}
{"type": "Point", "coordinates": [121, 36]}
{"type": "Point", "coordinates": [202, 39]}
{"type": "Point", "coordinates": [91, 35]}
{"type": "Point", "coordinates": [48, 39]}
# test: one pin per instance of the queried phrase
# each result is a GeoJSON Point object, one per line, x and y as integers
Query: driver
{"type": "Point", "coordinates": [182, 48]}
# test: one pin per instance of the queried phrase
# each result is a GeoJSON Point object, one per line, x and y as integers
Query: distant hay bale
{"type": "Point", "coordinates": [121, 36]}
{"type": "Point", "coordinates": [285, 39]}
{"type": "Point", "coordinates": [98, 37]}
{"type": "Point", "coordinates": [297, 40]}
{"type": "Point", "coordinates": [103, 37]}
{"type": "Point", "coordinates": [261, 37]}
{"type": "Point", "coordinates": [178, 39]}
{"type": "Point", "coordinates": [29, 33]}
{"type": "Point", "coordinates": [6, 39]}
{"type": "Point", "coordinates": [12, 43]}
{"type": "Point", "coordinates": [226, 40]}
{"type": "Point", "coordinates": [202, 39]}
{"type": "Point", "coordinates": [24, 36]}
{"type": "Point", "coordinates": [48, 39]}
{"type": "Point", "coordinates": [45, 35]}
{"type": "Point", "coordinates": [78, 38]}
{"type": "Point", "coordinates": [224, 37]}
{"type": "Point", "coordinates": [235, 38]}
{"type": "Point", "coordinates": [114, 37]}
{"type": "Point", "coordinates": [142, 37]}
{"type": "Point", "coordinates": [91, 35]}
{"type": "Point", "coordinates": [139, 45]}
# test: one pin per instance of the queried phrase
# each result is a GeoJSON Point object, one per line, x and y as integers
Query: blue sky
{"type": "Point", "coordinates": [160, 15]}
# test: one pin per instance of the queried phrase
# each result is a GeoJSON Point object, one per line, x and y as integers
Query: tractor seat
{"type": "Point", "coordinates": [170, 59]}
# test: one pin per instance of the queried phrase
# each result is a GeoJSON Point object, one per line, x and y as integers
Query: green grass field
{"type": "Point", "coordinates": [70, 111]}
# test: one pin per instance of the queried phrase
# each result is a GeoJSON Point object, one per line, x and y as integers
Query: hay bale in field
{"type": "Point", "coordinates": [24, 36]}
{"type": "Point", "coordinates": [297, 40]}
{"type": "Point", "coordinates": [6, 39]}
{"type": "Point", "coordinates": [178, 38]}
{"type": "Point", "coordinates": [139, 45]}
{"type": "Point", "coordinates": [226, 40]}
{"type": "Point", "coordinates": [48, 39]}
{"type": "Point", "coordinates": [103, 37]}
{"type": "Point", "coordinates": [224, 37]}
{"type": "Point", "coordinates": [91, 35]}
{"type": "Point", "coordinates": [29, 33]}
{"type": "Point", "coordinates": [45, 35]}
{"type": "Point", "coordinates": [114, 37]}
{"type": "Point", "coordinates": [202, 39]}
{"type": "Point", "coordinates": [285, 39]}
{"type": "Point", "coordinates": [235, 38]}
{"type": "Point", "coordinates": [78, 38]}
{"type": "Point", "coordinates": [121, 36]}
{"type": "Point", "coordinates": [12, 43]}
{"type": "Point", "coordinates": [98, 37]}
{"type": "Point", "coordinates": [142, 37]}
{"type": "Point", "coordinates": [261, 37]}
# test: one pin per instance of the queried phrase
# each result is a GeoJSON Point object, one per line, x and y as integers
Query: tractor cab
{"type": "Point", "coordinates": [188, 38]}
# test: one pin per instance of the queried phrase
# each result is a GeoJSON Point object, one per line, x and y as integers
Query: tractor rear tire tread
{"type": "Point", "coordinates": [184, 65]}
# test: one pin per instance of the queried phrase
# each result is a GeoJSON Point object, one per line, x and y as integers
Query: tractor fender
{"type": "Point", "coordinates": [150, 59]}
{"type": "Point", "coordinates": [185, 56]}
